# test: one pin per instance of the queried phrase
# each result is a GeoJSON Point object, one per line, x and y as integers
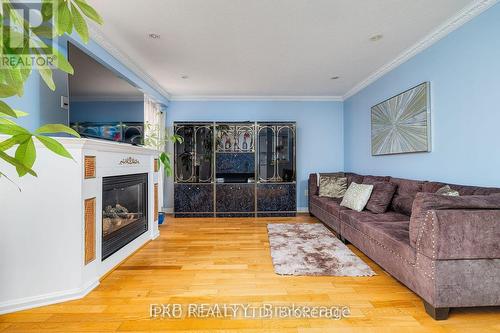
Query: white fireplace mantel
{"type": "Point", "coordinates": [42, 227]}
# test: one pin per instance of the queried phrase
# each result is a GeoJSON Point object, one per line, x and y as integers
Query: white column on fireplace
{"type": "Point", "coordinates": [42, 226]}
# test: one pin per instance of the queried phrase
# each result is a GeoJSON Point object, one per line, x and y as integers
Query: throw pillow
{"type": "Point", "coordinates": [381, 197]}
{"type": "Point", "coordinates": [356, 197]}
{"type": "Point", "coordinates": [332, 187]}
{"type": "Point", "coordinates": [448, 191]}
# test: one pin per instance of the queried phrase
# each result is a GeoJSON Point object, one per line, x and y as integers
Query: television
{"type": "Point", "coordinates": [102, 103]}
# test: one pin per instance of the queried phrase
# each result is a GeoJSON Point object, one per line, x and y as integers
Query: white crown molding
{"type": "Point", "coordinates": [46, 299]}
{"type": "Point", "coordinates": [106, 99]}
{"type": "Point", "coordinates": [464, 16]}
{"type": "Point", "coordinates": [474, 9]}
{"type": "Point", "coordinates": [196, 98]}
{"type": "Point", "coordinates": [98, 37]}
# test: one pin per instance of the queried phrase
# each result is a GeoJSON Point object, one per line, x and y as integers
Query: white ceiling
{"type": "Point", "coordinates": [268, 47]}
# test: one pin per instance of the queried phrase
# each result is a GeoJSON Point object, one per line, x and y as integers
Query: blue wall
{"type": "Point", "coordinates": [319, 130]}
{"type": "Point", "coordinates": [107, 111]}
{"type": "Point", "coordinates": [464, 72]}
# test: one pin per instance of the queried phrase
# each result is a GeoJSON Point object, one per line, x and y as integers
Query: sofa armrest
{"type": "Point", "coordinates": [313, 184]}
{"type": "Point", "coordinates": [447, 228]}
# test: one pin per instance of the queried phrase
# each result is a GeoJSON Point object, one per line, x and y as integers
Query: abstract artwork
{"type": "Point", "coordinates": [401, 124]}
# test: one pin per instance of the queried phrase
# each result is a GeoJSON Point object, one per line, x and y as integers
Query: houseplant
{"type": "Point", "coordinates": [22, 42]}
{"type": "Point", "coordinates": [158, 139]}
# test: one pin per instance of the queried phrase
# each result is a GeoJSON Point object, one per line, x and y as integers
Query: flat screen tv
{"type": "Point", "coordinates": [102, 103]}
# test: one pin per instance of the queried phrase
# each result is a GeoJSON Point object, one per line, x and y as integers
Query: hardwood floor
{"type": "Point", "coordinates": [227, 261]}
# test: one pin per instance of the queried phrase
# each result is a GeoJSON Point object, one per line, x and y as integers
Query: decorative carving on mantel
{"type": "Point", "coordinates": [129, 161]}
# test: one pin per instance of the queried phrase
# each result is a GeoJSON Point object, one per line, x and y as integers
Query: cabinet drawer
{"type": "Point", "coordinates": [276, 198]}
{"type": "Point", "coordinates": [192, 198]}
{"type": "Point", "coordinates": [233, 198]}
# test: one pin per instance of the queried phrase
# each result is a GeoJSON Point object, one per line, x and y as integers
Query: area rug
{"type": "Point", "coordinates": [311, 249]}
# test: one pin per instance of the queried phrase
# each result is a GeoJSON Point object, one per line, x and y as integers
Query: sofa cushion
{"type": "Point", "coordinates": [389, 232]}
{"type": "Point", "coordinates": [381, 197]}
{"type": "Point", "coordinates": [353, 177]}
{"type": "Point", "coordinates": [402, 204]}
{"type": "Point", "coordinates": [356, 197]}
{"type": "Point", "coordinates": [408, 187]}
{"type": "Point", "coordinates": [314, 180]}
{"type": "Point", "coordinates": [332, 186]}
{"type": "Point", "coordinates": [402, 201]}
{"type": "Point", "coordinates": [375, 179]}
{"type": "Point", "coordinates": [330, 205]}
{"type": "Point", "coordinates": [433, 187]}
{"type": "Point", "coordinates": [321, 202]}
{"type": "Point", "coordinates": [367, 216]}
{"type": "Point", "coordinates": [487, 191]}
{"type": "Point", "coordinates": [446, 190]}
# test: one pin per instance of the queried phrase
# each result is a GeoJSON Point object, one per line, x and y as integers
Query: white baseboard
{"type": "Point", "coordinates": [299, 210]}
{"type": "Point", "coordinates": [302, 209]}
{"type": "Point", "coordinates": [46, 299]}
{"type": "Point", "coordinates": [167, 210]}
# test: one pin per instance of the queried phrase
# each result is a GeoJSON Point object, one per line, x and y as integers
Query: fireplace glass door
{"type": "Point", "coordinates": [124, 211]}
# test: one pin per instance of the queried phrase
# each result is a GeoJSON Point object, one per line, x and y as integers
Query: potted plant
{"type": "Point", "coordinates": [21, 42]}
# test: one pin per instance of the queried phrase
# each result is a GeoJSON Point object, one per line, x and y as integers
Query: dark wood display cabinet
{"type": "Point", "coordinates": [235, 169]}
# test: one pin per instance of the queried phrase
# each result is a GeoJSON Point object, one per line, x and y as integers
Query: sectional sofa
{"type": "Point", "coordinates": [445, 249]}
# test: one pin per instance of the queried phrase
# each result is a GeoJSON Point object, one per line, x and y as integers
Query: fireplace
{"type": "Point", "coordinates": [124, 211]}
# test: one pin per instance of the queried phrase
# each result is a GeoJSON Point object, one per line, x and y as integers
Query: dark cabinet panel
{"type": "Point", "coordinates": [235, 163]}
{"type": "Point", "coordinates": [276, 198]}
{"type": "Point", "coordinates": [194, 154]}
{"type": "Point", "coordinates": [276, 152]}
{"type": "Point", "coordinates": [193, 198]}
{"type": "Point", "coordinates": [235, 198]}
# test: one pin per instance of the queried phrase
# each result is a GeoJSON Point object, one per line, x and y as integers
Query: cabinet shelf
{"type": "Point", "coordinates": [263, 151]}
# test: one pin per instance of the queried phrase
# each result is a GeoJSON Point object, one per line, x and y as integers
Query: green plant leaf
{"type": "Point", "coordinates": [12, 129]}
{"type": "Point", "coordinates": [63, 19]}
{"type": "Point", "coordinates": [88, 11]}
{"type": "Point", "coordinates": [168, 170]}
{"type": "Point", "coordinates": [46, 75]}
{"type": "Point", "coordinates": [61, 62]}
{"type": "Point", "coordinates": [56, 128]}
{"type": "Point", "coordinates": [11, 160]}
{"type": "Point", "coordinates": [20, 113]}
{"type": "Point", "coordinates": [7, 110]}
{"type": "Point", "coordinates": [26, 154]}
{"type": "Point", "coordinates": [48, 9]}
{"type": "Point", "coordinates": [80, 24]}
{"type": "Point", "coordinates": [5, 121]}
{"type": "Point", "coordinates": [54, 146]}
{"type": "Point", "coordinates": [13, 80]}
{"type": "Point", "coordinates": [6, 177]}
{"type": "Point", "coordinates": [44, 31]}
{"type": "Point", "coordinates": [14, 140]}
{"type": "Point", "coordinates": [7, 90]}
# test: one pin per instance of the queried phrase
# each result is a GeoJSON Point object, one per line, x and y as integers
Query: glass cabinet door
{"type": "Point", "coordinates": [204, 153]}
{"type": "Point", "coordinates": [266, 151]}
{"type": "Point", "coordinates": [184, 152]}
{"type": "Point", "coordinates": [285, 153]}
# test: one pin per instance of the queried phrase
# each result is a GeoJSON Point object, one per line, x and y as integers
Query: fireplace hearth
{"type": "Point", "coordinates": [124, 211]}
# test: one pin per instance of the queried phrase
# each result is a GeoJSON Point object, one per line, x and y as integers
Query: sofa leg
{"type": "Point", "coordinates": [436, 313]}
